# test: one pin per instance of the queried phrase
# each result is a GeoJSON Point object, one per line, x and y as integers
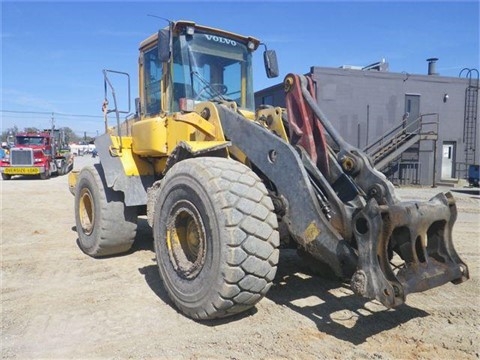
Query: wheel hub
{"type": "Point", "coordinates": [86, 211]}
{"type": "Point", "coordinates": [186, 241]}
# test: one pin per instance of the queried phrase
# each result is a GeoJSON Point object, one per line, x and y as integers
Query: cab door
{"type": "Point", "coordinates": [150, 82]}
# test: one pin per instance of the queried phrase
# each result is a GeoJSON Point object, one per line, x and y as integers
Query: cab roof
{"type": "Point", "coordinates": [181, 24]}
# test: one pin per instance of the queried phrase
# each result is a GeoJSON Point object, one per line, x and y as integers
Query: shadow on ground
{"type": "Point", "coordinates": [144, 238]}
{"type": "Point", "coordinates": [331, 305]}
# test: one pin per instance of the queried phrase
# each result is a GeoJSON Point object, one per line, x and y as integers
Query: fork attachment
{"type": "Point", "coordinates": [405, 248]}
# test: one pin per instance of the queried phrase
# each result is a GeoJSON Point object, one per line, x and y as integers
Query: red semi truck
{"type": "Point", "coordinates": [37, 153]}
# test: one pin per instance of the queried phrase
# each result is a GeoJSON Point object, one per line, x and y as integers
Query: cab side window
{"type": "Point", "coordinates": [152, 75]}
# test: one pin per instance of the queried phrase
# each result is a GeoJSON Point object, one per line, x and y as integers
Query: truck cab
{"type": "Point", "coordinates": [36, 153]}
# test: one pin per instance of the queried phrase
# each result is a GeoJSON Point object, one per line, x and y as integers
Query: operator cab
{"type": "Point", "coordinates": [185, 64]}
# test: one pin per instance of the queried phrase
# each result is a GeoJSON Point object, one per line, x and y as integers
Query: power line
{"type": "Point", "coordinates": [22, 115]}
{"type": "Point", "coordinates": [52, 113]}
{"type": "Point", "coordinates": [45, 116]}
{"type": "Point", "coordinates": [26, 112]}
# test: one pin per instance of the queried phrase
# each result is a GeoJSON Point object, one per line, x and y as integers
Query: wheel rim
{"type": "Point", "coordinates": [86, 211]}
{"type": "Point", "coordinates": [186, 240]}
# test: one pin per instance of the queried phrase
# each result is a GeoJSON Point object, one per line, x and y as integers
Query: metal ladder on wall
{"type": "Point", "coordinates": [470, 117]}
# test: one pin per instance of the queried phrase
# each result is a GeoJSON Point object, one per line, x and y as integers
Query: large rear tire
{"type": "Point", "coordinates": [105, 225]}
{"type": "Point", "coordinates": [215, 237]}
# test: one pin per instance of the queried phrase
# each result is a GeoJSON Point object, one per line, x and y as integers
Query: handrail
{"type": "Point", "coordinates": [416, 127]}
{"type": "Point", "coordinates": [106, 110]}
{"type": "Point", "coordinates": [461, 170]}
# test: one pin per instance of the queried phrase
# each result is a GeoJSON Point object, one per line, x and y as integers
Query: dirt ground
{"type": "Point", "coordinates": [58, 303]}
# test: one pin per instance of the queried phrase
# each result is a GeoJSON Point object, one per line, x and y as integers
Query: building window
{"type": "Point", "coordinates": [267, 100]}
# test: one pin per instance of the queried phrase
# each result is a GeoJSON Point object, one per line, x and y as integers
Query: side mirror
{"type": "Point", "coordinates": [164, 45]}
{"type": "Point", "coordinates": [271, 64]}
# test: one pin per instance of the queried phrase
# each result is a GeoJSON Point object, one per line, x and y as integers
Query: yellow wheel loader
{"type": "Point", "coordinates": [216, 178]}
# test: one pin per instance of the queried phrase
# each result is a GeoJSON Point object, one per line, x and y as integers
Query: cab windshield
{"type": "Point", "coordinates": [29, 140]}
{"type": "Point", "coordinates": [211, 67]}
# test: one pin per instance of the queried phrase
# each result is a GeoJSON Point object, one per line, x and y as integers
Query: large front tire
{"type": "Point", "coordinates": [215, 237]}
{"type": "Point", "coordinates": [105, 225]}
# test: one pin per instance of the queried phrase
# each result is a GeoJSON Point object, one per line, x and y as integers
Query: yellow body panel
{"type": "Point", "coordinates": [72, 180]}
{"type": "Point", "coordinates": [178, 131]}
{"type": "Point", "coordinates": [197, 122]}
{"type": "Point", "coordinates": [133, 165]}
{"type": "Point", "coordinates": [157, 137]}
{"type": "Point", "coordinates": [149, 137]}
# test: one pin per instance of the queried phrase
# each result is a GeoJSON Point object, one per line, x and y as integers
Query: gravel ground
{"type": "Point", "coordinates": [58, 303]}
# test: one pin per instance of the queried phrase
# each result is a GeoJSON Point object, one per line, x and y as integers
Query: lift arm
{"type": "Point", "coordinates": [344, 212]}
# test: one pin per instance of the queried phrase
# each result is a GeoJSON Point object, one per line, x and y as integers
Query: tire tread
{"type": "Point", "coordinates": [118, 223]}
{"type": "Point", "coordinates": [253, 242]}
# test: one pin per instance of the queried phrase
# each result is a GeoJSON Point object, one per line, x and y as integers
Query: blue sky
{"type": "Point", "coordinates": [53, 53]}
